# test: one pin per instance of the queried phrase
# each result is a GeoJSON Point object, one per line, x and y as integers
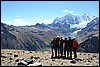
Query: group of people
{"type": "Point", "coordinates": [62, 46]}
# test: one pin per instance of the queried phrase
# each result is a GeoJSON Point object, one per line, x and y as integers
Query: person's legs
{"type": "Point", "coordinates": [52, 52]}
{"type": "Point", "coordinates": [70, 50]}
{"type": "Point", "coordinates": [61, 50]}
{"type": "Point", "coordinates": [67, 52]}
{"type": "Point", "coordinates": [56, 52]}
{"type": "Point", "coordinates": [74, 50]}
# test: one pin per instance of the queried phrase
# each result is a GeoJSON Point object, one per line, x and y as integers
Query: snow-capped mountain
{"type": "Point", "coordinates": [73, 20]}
{"type": "Point", "coordinates": [72, 23]}
{"type": "Point", "coordinates": [68, 19]}
{"type": "Point", "coordinates": [90, 29]}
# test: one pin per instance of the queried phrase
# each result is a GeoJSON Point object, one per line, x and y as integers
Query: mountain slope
{"type": "Point", "coordinates": [91, 29]}
{"type": "Point", "coordinates": [90, 45]}
{"type": "Point", "coordinates": [26, 38]}
{"type": "Point", "coordinates": [89, 37]}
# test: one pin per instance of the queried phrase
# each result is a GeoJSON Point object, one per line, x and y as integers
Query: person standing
{"type": "Point", "coordinates": [70, 43]}
{"type": "Point", "coordinates": [53, 47]}
{"type": "Point", "coordinates": [75, 46]}
{"type": "Point", "coordinates": [57, 45]}
{"type": "Point", "coordinates": [66, 48]}
{"type": "Point", "coordinates": [61, 46]}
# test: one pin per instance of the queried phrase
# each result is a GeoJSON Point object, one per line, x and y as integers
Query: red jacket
{"type": "Point", "coordinates": [66, 44]}
{"type": "Point", "coordinates": [75, 44]}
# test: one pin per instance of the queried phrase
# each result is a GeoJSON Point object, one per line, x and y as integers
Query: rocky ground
{"type": "Point", "coordinates": [12, 57]}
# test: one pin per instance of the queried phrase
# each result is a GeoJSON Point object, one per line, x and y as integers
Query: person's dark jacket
{"type": "Point", "coordinates": [57, 42]}
{"type": "Point", "coordinates": [53, 43]}
{"type": "Point", "coordinates": [70, 42]}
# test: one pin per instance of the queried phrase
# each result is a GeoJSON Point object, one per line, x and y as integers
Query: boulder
{"type": "Point", "coordinates": [17, 60]}
{"type": "Point", "coordinates": [61, 63]}
{"type": "Point", "coordinates": [31, 57]}
{"type": "Point", "coordinates": [21, 58]}
{"type": "Point", "coordinates": [4, 56]}
{"type": "Point", "coordinates": [35, 64]}
{"type": "Point", "coordinates": [30, 51]}
{"type": "Point", "coordinates": [29, 61]}
{"type": "Point", "coordinates": [15, 55]}
{"type": "Point", "coordinates": [22, 63]}
{"type": "Point", "coordinates": [53, 59]}
{"type": "Point", "coordinates": [10, 58]}
{"type": "Point", "coordinates": [73, 62]}
{"type": "Point", "coordinates": [10, 53]}
{"type": "Point", "coordinates": [36, 57]}
{"type": "Point", "coordinates": [94, 56]}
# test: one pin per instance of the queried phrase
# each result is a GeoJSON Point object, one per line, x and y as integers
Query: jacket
{"type": "Point", "coordinates": [75, 44]}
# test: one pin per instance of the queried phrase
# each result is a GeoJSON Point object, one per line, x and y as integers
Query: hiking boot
{"type": "Point", "coordinates": [51, 57]}
{"type": "Point", "coordinates": [71, 58]}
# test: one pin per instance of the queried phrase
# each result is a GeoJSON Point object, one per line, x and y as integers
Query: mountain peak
{"type": "Point", "coordinates": [87, 13]}
{"type": "Point", "coordinates": [87, 17]}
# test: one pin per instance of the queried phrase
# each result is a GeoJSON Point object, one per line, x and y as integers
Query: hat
{"type": "Point", "coordinates": [57, 36]}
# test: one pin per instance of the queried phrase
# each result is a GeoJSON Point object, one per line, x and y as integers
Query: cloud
{"type": "Point", "coordinates": [17, 22]}
{"type": "Point", "coordinates": [45, 21]}
{"type": "Point", "coordinates": [7, 22]}
{"type": "Point", "coordinates": [20, 22]}
{"type": "Point", "coordinates": [17, 16]}
{"type": "Point", "coordinates": [67, 11]}
{"type": "Point", "coordinates": [71, 11]}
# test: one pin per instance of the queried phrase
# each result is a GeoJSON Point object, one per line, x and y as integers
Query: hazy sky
{"type": "Point", "coordinates": [32, 12]}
